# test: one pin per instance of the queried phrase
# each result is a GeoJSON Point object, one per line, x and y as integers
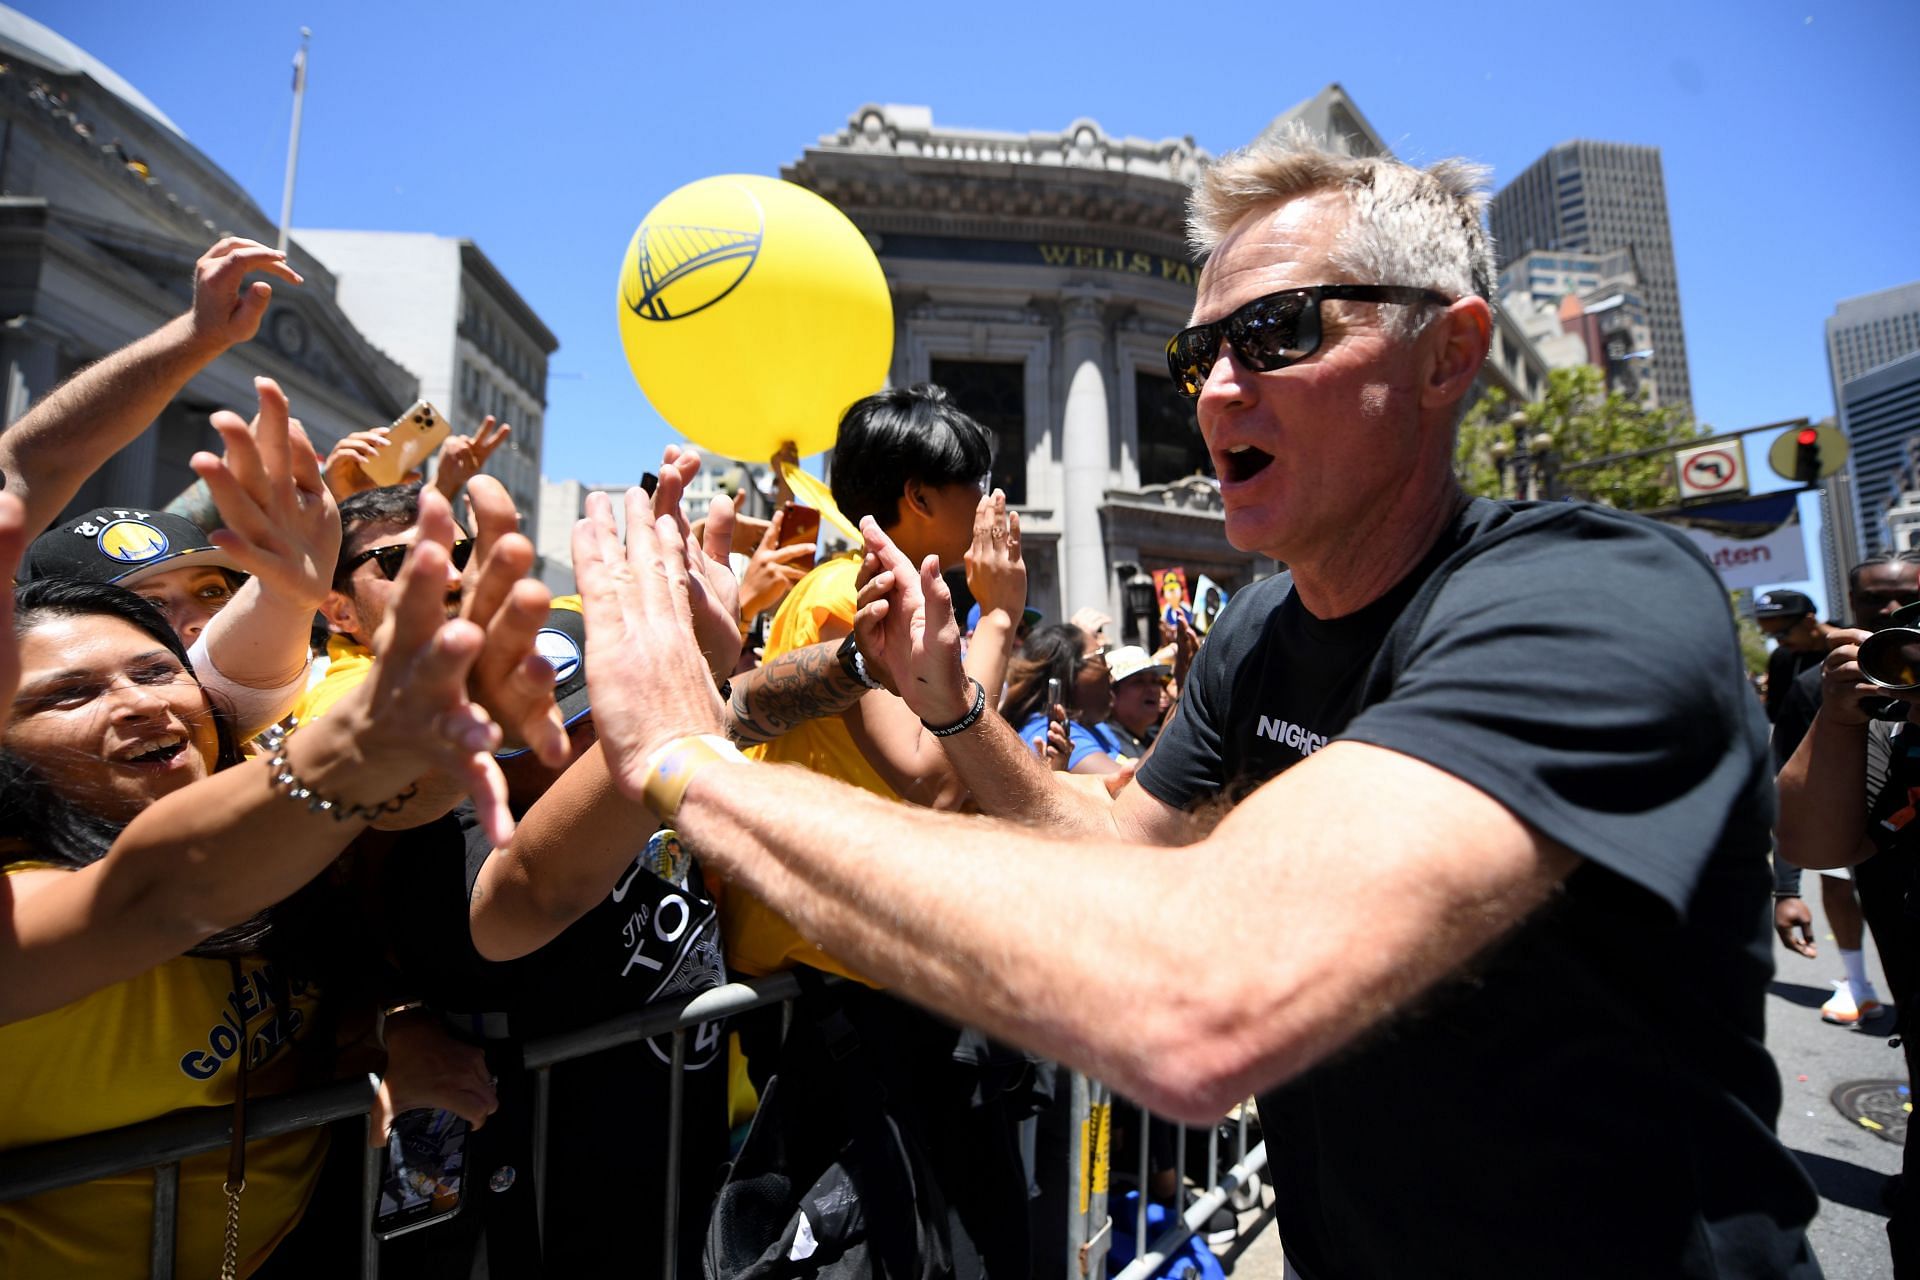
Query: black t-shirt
{"type": "Point", "coordinates": [1594, 1096]}
{"type": "Point", "coordinates": [1784, 666]}
{"type": "Point", "coordinates": [653, 937]}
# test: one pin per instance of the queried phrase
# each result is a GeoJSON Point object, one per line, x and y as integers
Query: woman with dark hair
{"type": "Point", "coordinates": [133, 839]}
{"type": "Point", "coordinates": [1060, 653]}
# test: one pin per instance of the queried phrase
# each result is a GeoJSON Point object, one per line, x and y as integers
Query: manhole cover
{"type": "Point", "coordinates": [1879, 1106]}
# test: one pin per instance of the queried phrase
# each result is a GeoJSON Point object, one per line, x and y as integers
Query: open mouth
{"type": "Point", "coordinates": [1243, 462]}
{"type": "Point", "coordinates": [157, 755]}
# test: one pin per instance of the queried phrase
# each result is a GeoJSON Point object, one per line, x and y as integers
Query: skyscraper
{"type": "Point", "coordinates": [1871, 330]}
{"type": "Point", "coordinates": [1594, 197]}
{"type": "Point", "coordinates": [1863, 334]}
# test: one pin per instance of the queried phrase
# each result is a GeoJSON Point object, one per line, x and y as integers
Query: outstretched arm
{"type": "Point", "coordinates": [908, 631]}
{"type": "Point", "coordinates": [213, 853]}
{"type": "Point", "coordinates": [281, 526]}
{"type": "Point", "coordinates": [69, 435]}
{"type": "Point", "coordinates": [1038, 940]}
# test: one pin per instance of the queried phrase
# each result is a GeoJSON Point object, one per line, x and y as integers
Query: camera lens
{"type": "Point", "coordinates": [1891, 658]}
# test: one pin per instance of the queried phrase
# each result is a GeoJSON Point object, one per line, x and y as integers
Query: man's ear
{"type": "Point", "coordinates": [913, 496]}
{"type": "Point", "coordinates": [1459, 341]}
{"type": "Point", "coordinates": [342, 618]}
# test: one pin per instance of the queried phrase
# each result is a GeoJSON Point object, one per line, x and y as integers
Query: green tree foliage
{"type": "Point", "coordinates": [1584, 422]}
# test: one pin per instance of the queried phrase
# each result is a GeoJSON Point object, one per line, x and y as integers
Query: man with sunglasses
{"type": "Point", "coordinates": [377, 530]}
{"type": "Point", "coordinates": [1457, 780]}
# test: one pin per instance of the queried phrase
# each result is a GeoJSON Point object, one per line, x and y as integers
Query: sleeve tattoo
{"type": "Point", "coordinates": [803, 685]}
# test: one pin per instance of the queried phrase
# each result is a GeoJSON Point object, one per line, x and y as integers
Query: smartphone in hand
{"type": "Point", "coordinates": [411, 440]}
{"type": "Point", "coordinates": [799, 526]}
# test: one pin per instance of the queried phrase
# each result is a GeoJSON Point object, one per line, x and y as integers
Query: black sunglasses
{"type": "Point", "coordinates": [389, 558]}
{"type": "Point", "coordinates": [1274, 331]}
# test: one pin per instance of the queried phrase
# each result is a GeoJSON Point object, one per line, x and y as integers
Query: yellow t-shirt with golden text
{"type": "Point", "coordinates": [139, 1049]}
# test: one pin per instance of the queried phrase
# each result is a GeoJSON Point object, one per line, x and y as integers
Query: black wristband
{"type": "Point", "coordinates": [856, 666]}
{"type": "Point", "coordinates": [966, 721]}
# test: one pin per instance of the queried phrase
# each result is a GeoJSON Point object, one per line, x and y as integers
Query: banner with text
{"type": "Point", "coordinates": [1749, 541]}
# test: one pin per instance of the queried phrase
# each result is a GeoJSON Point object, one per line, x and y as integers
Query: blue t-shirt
{"type": "Point", "coordinates": [1086, 740]}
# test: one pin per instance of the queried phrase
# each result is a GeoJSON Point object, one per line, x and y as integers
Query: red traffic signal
{"type": "Point", "coordinates": [1807, 437]}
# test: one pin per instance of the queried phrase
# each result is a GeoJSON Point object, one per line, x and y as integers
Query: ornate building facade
{"type": "Point", "coordinates": [104, 208]}
{"type": "Point", "coordinates": [1038, 276]}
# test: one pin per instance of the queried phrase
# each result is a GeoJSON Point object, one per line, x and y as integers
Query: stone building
{"type": "Point", "coordinates": [104, 208]}
{"type": "Point", "coordinates": [439, 304]}
{"type": "Point", "coordinates": [1038, 277]}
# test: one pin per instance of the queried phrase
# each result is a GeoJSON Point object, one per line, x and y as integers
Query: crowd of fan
{"type": "Point", "coordinates": [301, 782]}
{"type": "Point", "coordinates": [1421, 785]}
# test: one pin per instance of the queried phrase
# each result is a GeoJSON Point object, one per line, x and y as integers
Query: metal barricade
{"type": "Point", "coordinates": [162, 1143]}
{"type": "Point", "coordinates": [1089, 1223]}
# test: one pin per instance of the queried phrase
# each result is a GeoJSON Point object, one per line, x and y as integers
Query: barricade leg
{"type": "Point", "coordinates": [369, 1205]}
{"type": "Point", "coordinates": [670, 1236]}
{"type": "Point", "coordinates": [166, 1216]}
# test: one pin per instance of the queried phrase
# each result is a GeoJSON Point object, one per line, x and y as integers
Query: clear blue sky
{"type": "Point", "coordinates": [544, 132]}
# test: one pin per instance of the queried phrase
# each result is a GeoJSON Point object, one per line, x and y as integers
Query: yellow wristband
{"type": "Point", "coordinates": [671, 769]}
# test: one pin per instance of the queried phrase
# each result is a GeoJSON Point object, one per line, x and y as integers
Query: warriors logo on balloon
{"type": "Point", "coordinates": [753, 313]}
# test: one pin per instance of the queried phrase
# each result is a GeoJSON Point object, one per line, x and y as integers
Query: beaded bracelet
{"type": "Point", "coordinates": [966, 721]}
{"type": "Point", "coordinates": [274, 743]}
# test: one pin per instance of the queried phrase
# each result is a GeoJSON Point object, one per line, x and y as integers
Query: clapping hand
{"type": "Point", "coordinates": [648, 680]}
{"type": "Point", "coordinates": [906, 630]}
{"type": "Point", "coordinates": [996, 574]}
{"type": "Point", "coordinates": [714, 594]}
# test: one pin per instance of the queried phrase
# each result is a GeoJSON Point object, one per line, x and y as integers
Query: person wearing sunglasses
{"type": "Point", "coordinates": [1419, 853]}
{"type": "Point", "coordinates": [378, 530]}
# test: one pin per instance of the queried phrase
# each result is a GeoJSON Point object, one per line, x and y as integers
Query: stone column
{"type": "Point", "coordinates": [1085, 428]}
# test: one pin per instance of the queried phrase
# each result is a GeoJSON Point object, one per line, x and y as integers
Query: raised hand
{"type": "Point", "coordinates": [772, 571]}
{"type": "Point", "coordinates": [714, 594]}
{"type": "Point", "coordinates": [906, 630]}
{"type": "Point", "coordinates": [418, 714]}
{"type": "Point", "coordinates": [996, 575]}
{"type": "Point", "coordinates": [224, 314]}
{"type": "Point", "coordinates": [462, 457]}
{"type": "Point", "coordinates": [280, 521]}
{"type": "Point", "coordinates": [648, 680]}
{"type": "Point", "coordinates": [345, 467]}
{"type": "Point", "coordinates": [509, 678]}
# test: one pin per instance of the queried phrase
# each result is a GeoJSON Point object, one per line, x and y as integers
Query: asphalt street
{"type": "Point", "coordinates": [1847, 1162]}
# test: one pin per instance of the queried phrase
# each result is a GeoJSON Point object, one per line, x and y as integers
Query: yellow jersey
{"type": "Point", "coordinates": [139, 1049]}
{"type": "Point", "coordinates": [347, 665]}
{"type": "Point", "coordinates": [759, 940]}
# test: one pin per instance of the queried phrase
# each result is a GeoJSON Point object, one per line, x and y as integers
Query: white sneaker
{"type": "Point", "coordinates": [1843, 1010]}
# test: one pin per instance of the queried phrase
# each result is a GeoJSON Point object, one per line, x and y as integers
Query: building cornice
{"type": "Point", "coordinates": [892, 171]}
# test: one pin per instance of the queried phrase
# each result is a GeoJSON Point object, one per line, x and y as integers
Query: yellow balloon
{"type": "Point", "coordinates": [753, 313]}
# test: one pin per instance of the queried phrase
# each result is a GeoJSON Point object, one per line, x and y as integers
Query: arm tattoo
{"type": "Point", "coordinates": [805, 684]}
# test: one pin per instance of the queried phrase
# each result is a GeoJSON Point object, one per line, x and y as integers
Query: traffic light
{"type": "Point", "coordinates": [1806, 456]}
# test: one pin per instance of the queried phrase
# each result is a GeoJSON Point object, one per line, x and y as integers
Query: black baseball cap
{"type": "Point", "coordinates": [562, 641]}
{"type": "Point", "coordinates": [122, 546]}
{"type": "Point", "coordinates": [1782, 604]}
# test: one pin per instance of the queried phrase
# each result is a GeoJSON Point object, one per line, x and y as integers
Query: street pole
{"type": "Point", "coordinates": [293, 142]}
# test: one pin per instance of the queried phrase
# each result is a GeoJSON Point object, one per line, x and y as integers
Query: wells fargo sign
{"type": "Point", "coordinates": [1080, 257]}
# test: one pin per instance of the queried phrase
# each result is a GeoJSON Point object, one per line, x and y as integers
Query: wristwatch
{"type": "Point", "coordinates": [856, 666]}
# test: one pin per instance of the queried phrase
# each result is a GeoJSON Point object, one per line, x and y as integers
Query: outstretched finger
{"type": "Point", "coordinates": [717, 544]}
{"type": "Point", "coordinates": [240, 514]}
{"type": "Point", "coordinates": [241, 452]}
{"type": "Point", "coordinates": [272, 432]}
{"type": "Point", "coordinates": [421, 587]}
